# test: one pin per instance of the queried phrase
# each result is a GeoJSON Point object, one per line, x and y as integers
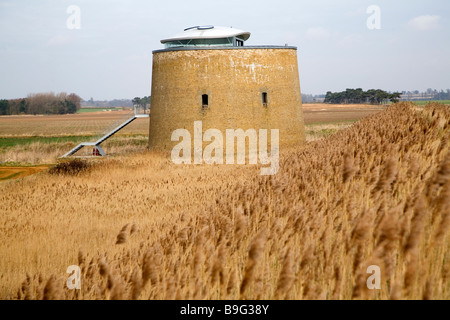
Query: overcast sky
{"type": "Point", "coordinates": [110, 56]}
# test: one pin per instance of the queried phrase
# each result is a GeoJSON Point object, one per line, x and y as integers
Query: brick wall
{"type": "Point", "coordinates": [234, 81]}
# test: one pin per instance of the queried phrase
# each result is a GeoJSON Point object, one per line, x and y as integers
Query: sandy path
{"type": "Point", "coordinates": [7, 173]}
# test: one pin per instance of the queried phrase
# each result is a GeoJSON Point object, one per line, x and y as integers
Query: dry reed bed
{"type": "Point", "coordinates": [376, 193]}
{"type": "Point", "coordinates": [45, 218]}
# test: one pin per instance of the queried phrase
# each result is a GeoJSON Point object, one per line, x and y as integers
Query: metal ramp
{"type": "Point", "coordinates": [98, 151]}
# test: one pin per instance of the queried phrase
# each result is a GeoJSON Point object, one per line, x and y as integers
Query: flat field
{"type": "Point", "coordinates": [423, 103]}
{"type": "Point", "coordinates": [326, 113]}
{"type": "Point", "coordinates": [92, 123]}
{"type": "Point", "coordinates": [43, 139]}
{"type": "Point", "coordinates": [82, 124]}
{"type": "Point", "coordinates": [140, 227]}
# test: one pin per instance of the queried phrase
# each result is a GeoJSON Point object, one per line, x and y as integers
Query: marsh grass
{"type": "Point", "coordinates": [375, 193]}
{"type": "Point", "coordinates": [33, 151]}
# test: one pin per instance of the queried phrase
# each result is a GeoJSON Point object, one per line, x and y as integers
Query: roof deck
{"type": "Point", "coordinates": [223, 48]}
{"type": "Point", "coordinates": [211, 38]}
{"type": "Point", "coordinates": [207, 36]}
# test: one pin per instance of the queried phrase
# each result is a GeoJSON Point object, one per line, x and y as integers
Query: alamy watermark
{"type": "Point", "coordinates": [74, 280]}
{"type": "Point", "coordinates": [214, 152]}
{"type": "Point", "coordinates": [74, 20]}
{"type": "Point", "coordinates": [374, 20]}
{"type": "Point", "coordinates": [374, 281]}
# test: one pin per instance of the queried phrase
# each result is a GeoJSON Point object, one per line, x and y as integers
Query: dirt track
{"type": "Point", "coordinates": [7, 173]}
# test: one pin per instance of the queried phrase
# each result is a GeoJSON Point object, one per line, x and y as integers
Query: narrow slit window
{"type": "Point", "coordinates": [205, 101]}
{"type": "Point", "coordinates": [264, 99]}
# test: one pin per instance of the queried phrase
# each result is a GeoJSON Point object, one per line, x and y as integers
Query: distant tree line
{"type": "Point", "coordinates": [142, 102]}
{"type": "Point", "coordinates": [116, 103]}
{"type": "Point", "coordinates": [310, 98]}
{"type": "Point", "coordinates": [351, 96]}
{"type": "Point", "coordinates": [429, 94]}
{"type": "Point", "coordinates": [42, 103]}
{"type": "Point", "coordinates": [441, 95]}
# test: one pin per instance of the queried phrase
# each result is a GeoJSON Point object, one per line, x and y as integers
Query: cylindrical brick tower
{"type": "Point", "coordinates": [207, 74]}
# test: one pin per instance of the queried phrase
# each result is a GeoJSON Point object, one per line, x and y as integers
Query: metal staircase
{"type": "Point", "coordinates": [98, 151]}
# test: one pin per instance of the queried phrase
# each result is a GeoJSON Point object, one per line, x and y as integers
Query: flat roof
{"type": "Point", "coordinates": [223, 48]}
{"type": "Point", "coordinates": [208, 32]}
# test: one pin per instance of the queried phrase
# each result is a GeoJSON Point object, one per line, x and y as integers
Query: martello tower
{"type": "Point", "coordinates": [206, 73]}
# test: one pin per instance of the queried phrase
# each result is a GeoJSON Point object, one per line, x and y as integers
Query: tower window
{"type": "Point", "coordinates": [205, 101]}
{"type": "Point", "coordinates": [264, 99]}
